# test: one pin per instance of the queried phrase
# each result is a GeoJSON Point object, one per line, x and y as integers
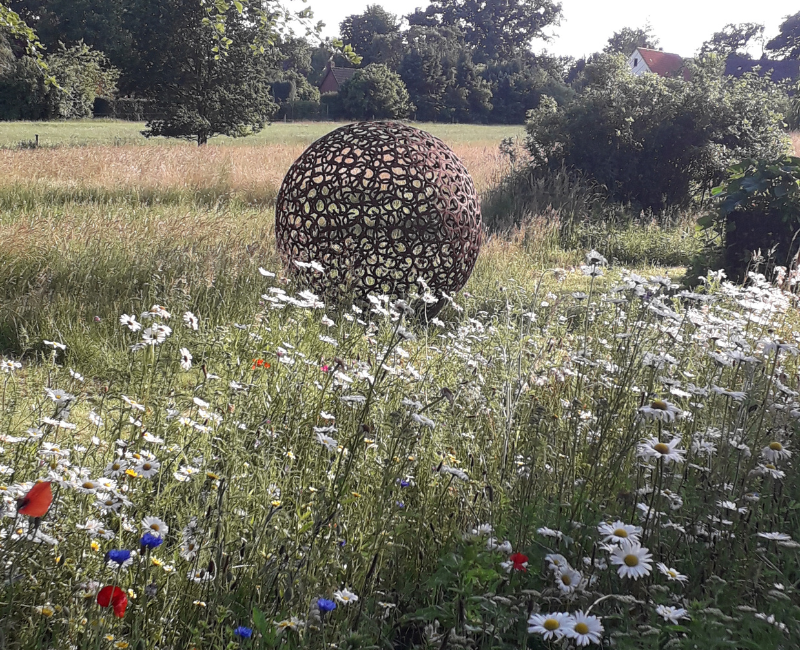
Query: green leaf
{"type": "Point", "coordinates": [260, 621]}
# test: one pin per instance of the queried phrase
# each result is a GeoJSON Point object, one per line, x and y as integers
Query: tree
{"type": "Point", "coordinates": [659, 142]}
{"type": "Point", "coordinates": [733, 39]}
{"type": "Point", "coordinates": [82, 74]}
{"type": "Point", "coordinates": [375, 92]}
{"type": "Point", "coordinates": [203, 84]}
{"type": "Point", "coordinates": [787, 43]}
{"type": "Point", "coordinates": [495, 28]}
{"type": "Point", "coordinates": [362, 32]}
{"type": "Point", "coordinates": [626, 40]}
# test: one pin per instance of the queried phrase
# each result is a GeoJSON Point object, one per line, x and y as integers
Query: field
{"type": "Point", "coordinates": [574, 453]}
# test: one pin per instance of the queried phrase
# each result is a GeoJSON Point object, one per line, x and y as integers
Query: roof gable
{"type": "Point", "coordinates": [342, 74]}
{"type": "Point", "coordinates": [664, 64]}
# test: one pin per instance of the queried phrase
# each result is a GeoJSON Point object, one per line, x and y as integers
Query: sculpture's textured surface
{"type": "Point", "coordinates": [379, 204]}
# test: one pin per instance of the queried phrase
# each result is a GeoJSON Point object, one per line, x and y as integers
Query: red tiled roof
{"type": "Point", "coordinates": [663, 64]}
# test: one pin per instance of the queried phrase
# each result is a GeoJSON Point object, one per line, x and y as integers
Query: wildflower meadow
{"type": "Point", "coordinates": [596, 458]}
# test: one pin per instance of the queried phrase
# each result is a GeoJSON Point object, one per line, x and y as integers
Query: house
{"type": "Point", "coordinates": [786, 70]}
{"type": "Point", "coordinates": [664, 64]}
{"type": "Point", "coordinates": [334, 78]}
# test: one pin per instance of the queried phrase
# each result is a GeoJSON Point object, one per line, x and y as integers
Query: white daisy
{"type": "Point", "coordinates": [775, 537]}
{"type": "Point", "coordinates": [550, 626]}
{"type": "Point", "coordinates": [556, 562]}
{"type": "Point", "coordinates": [130, 322]}
{"type": "Point", "coordinates": [660, 409]}
{"type": "Point", "coordinates": [568, 580]}
{"type": "Point", "coordinates": [671, 574]}
{"type": "Point", "coordinates": [331, 444]}
{"type": "Point", "coordinates": [345, 596]}
{"type": "Point", "coordinates": [633, 559]}
{"type": "Point", "coordinates": [154, 526]}
{"type": "Point", "coordinates": [192, 321]}
{"type": "Point", "coordinates": [666, 451]}
{"type": "Point", "coordinates": [186, 359]}
{"type": "Point", "coordinates": [584, 629]}
{"type": "Point", "coordinates": [671, 614]}
{"type": "Point", "coordinates": [776, 451]}
{"type": "Point", "coordinates": [148, 468]}
{"type": "Point", "coordinates": [618, 531]}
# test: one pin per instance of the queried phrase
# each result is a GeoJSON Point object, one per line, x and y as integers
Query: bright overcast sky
{"type": "Point", "coordinates": [681, 25]}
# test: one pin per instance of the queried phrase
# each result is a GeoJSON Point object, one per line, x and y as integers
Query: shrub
{"type": "Point", "coordinates": [375, 93]}
{"type": "Point", "coordinates": [759, 210]}
{"type": "Point", "coordinates": [83, 75]}
{"type": "Point", "coordinates": [654, 141]}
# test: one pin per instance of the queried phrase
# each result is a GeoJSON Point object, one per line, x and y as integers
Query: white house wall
{"type": "Point", "coordinates": [637, 64]}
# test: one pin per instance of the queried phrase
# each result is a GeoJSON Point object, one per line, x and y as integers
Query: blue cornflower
{"type": "Point", "coordinates": [326, 605]}
{"type": "Point", "coordinates": [150, 541]}
{"type": "Point", "coordinates": [243, 632]}
{"type": "Point", "coordinates": [400, 504]}
{"type": "Point", "coordinates": [404, 483]}
{"type": "Point", "coordinates": [118, 555]}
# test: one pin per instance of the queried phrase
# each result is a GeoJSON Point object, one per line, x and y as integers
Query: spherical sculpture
{"type": "Point", "coordinates": [378, 205]}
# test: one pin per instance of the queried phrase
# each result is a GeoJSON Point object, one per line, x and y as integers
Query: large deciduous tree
{"type": "Point", "coordinates": [367, 32]}
{"type": "Point", "coordinates": [495, 28]}
{"type": "Point", "coordinates": [627, 39]}
{"type": "Point", "coordinates": [733, 39]}
{"type": "Point", "coordinates": [787, 43]}
{"type": "Point", "coordinates": [207, 77]}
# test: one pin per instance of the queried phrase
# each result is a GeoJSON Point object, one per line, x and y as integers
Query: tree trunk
{"type": "Point", "coordinates": [202, 139]}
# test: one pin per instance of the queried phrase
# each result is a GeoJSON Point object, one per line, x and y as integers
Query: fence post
{"type": "Point", "coordinates": [37, 140]}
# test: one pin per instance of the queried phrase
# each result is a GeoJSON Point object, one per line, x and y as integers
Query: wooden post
{"type": "Point", "coordinates": [37, 140]}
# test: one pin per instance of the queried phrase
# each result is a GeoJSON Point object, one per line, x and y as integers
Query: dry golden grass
{"type": "Point", "coordinates": [795, 136]}
{"type": "Point", "coordinates": [252, 172]}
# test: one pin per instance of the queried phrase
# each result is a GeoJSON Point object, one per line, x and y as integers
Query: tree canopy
{"type": "Point", "coordinates": [787, 43]}
{"type": "Point", "coordinates": [627, 39]}
{"type": "Point", "coordinates": [733, 39]}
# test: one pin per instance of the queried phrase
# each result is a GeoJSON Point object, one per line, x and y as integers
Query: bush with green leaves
{"type": "Point", "coordinates": [659, 142]}
{"type": "Point", "coordinates": [375, 92]}
{"type": "Point", "coordinates": [759, 212]}
{"type": "Point", "coordinates": [83, 74]}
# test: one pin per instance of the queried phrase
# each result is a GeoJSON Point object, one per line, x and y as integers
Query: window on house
{"type": "Point", "coordinates": [635, 62]}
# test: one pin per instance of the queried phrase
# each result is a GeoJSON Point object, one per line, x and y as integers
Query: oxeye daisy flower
{"type": "Point", "coordinates": [775, 537]}
{"type": "Point", "coordinates": [192, 321]}
{"type": "Point", "coordinates": [292, 623]}
{"type": "Point", "coordinates": [147, 468]}
{"type": "Point", "coordinates": [115, 468]}
{"type": "Point", "coordinates": [671, 574]}
{"type": "Point", "coordinates": [154, 526]}
{"type": "Point", "coordinates": [618, 531]}
{"type": "Point", "coordinates": [776, 451]}
{"type": "Point", "coordinates": [345, 596]}
{"type": "Point", "coordinates": [550, 626]}
{"type": "Point", "coordinates": [665, 451]}
{"type": "Point", "coordinates": [556, 562]}
{"type": "Point", "coordinates": [331, 444]}
{"type": "Point", "coordinates": [568, 580]}
{"type": "Point", "coordinates": [584, 629]}
{"type": "Point", "coordinates": [59, 397]}
{"type": "Point", "coordinates": [671, 614]}
{"type": "Point", "coordinates": [130, 322]}
{"type": "Point", "coordinates": [186, 359]}
{"type": "Point", "coordinates": [633, 559]}
{"type": "Point", "coordinates": [660, 409]}
{"type": "Point", "coordinates": [9, 365]}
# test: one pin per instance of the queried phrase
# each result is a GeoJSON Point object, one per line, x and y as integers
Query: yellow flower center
{"type": "Point", "coordinates": [116, 467]}
{"type": "Point", "coordinates": [631, 560]}
{"type": "Point", "coordinates": [769, 466]}
{"type": "Point", "coordinates": [147, 467]}
{"type": "Point", "coordinates": [155, 527]}
{"type": "Point", "coordinates": [776, 446]}
{"type": "Point", "coordinates": [89, 485]}
{"type": "Point", "coordinates": [551, 624]}
{"type": "Point", "coordinates": [659, 404]}
{"type": "Point", "coordinates": [566, 579]}
{"type": "Point", "coordinates": [661, 448]}
{"type": "Point", "coordinates": [582, 628]}
{"type": "Point", "coordinates": [620, 532]}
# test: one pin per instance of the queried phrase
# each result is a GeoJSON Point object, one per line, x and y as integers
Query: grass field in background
{"type": "Point", "coordinates": [117, 132]}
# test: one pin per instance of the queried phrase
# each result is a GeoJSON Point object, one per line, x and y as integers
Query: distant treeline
{"type": "Point", "coordinates": [195, 69]}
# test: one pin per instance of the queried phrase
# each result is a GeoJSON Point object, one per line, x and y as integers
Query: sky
{"type": "Point", "coordinates": [681, 25]}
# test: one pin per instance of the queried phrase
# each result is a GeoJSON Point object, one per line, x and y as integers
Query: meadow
{"type": "Point", "coordinates": [576, 452]}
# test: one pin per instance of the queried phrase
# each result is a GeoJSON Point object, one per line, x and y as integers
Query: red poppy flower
{"type": "Point", "coordinates": [519, 561]}
{"type": "Point", "coordinates": [37, 501]}
{"type": "Point", "coordinates": [114, 597]}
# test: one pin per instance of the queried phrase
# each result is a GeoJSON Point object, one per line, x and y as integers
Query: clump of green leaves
{"type": "Point", "coordinates": [759, 210]}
